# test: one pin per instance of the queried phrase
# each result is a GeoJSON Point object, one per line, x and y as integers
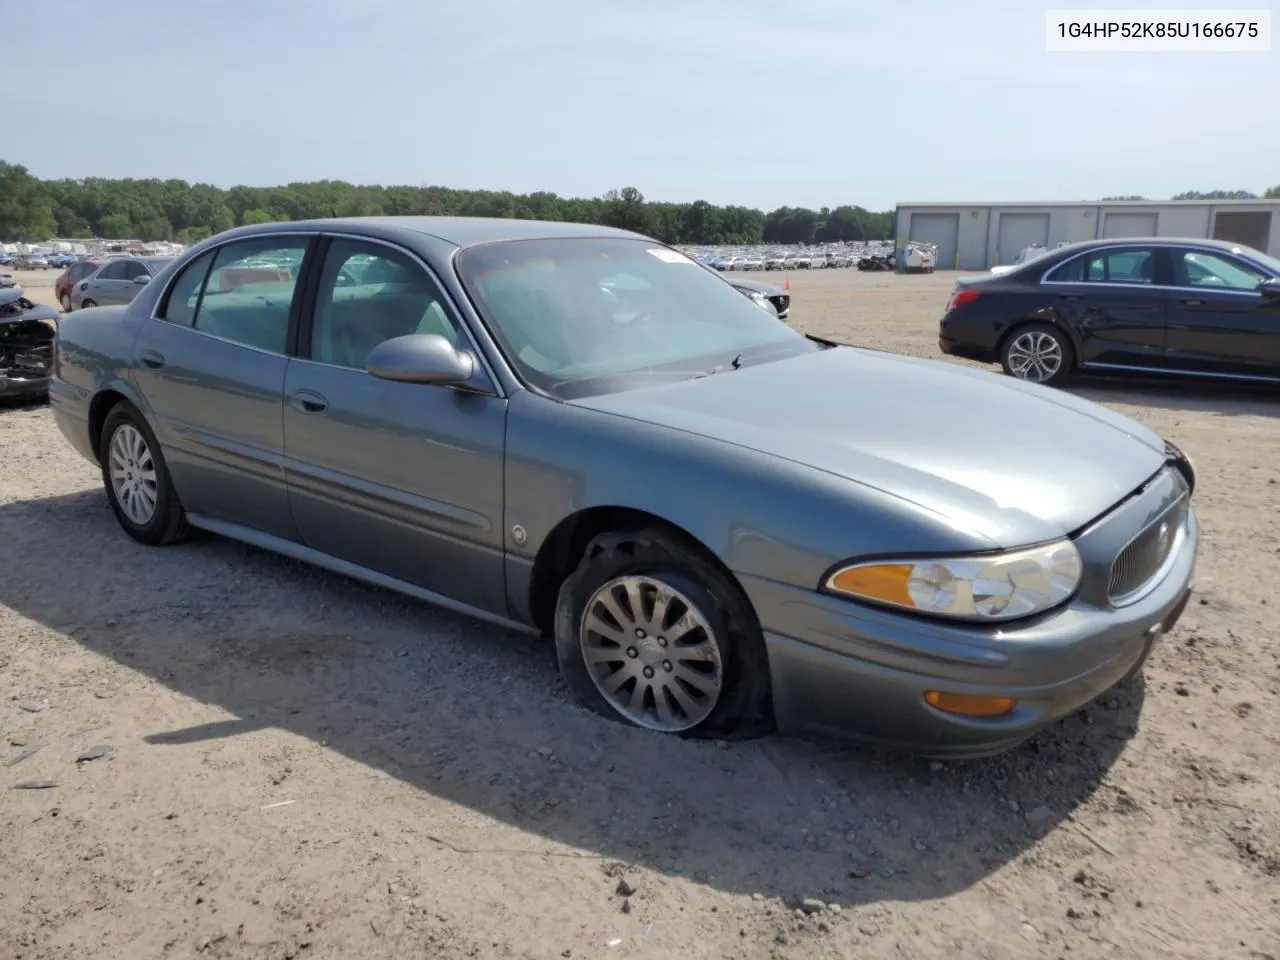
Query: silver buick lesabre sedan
{"type": "Point", "coordinates": [726, 526]}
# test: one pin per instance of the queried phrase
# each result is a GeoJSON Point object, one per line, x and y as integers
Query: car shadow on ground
{"type": "Point", "coordinates": [1218, 398]}
{"type": "Point", "coordinates": [477, 716]}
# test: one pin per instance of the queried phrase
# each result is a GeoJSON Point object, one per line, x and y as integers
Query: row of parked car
{"type": "Point", "coordinates": [105, 281]}
{"type": "Point", "coordinates": [37, 261]}
{"type": "Point", "coordinates": [783, 261]}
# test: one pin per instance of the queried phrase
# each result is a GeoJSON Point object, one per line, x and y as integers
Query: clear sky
{"type": "Point", "coordinates": [758, 102]}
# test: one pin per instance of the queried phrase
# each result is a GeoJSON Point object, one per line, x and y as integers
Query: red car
{"type": "Point", "coordinates": [70, 277]}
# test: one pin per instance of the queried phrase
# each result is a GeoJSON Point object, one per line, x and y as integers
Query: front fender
{"type": "Point", "coordinates": [761, 516]}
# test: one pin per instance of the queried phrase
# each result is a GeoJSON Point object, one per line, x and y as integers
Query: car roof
{"type": "Point", "coordinates": [1152, 241]}
{"type": "Point", "coordinates": [460, 231]}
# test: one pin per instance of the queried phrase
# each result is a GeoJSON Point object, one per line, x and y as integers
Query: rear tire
{"type": "Point", "coordinates": [650, 632]}
{"type": "Point", "coordinates": [65, 300]}
{"type": "Point", "coordinates": [1038, 353]}
{"type": "Point", "coordinates": [137, 480]}
{"type": "Point", "coordinates": [86, 304]}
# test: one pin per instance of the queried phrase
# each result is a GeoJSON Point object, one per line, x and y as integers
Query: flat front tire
{"type": "Point", "coordinates": [650, 632]}
{"type": "Point", "coordinates": [137, 479]}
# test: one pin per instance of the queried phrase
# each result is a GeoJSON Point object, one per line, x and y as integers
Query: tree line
{"type": "Point", "coordinates": [1272, 194]}
{"type": "Point", "coordinates": [33, 209]}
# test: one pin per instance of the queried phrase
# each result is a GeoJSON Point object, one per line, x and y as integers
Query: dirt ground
{"type": "Point", "coordinates": [301, 766]}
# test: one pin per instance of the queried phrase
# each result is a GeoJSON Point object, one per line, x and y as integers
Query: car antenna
{"type": "Point", "coordinates": [736, 362]}
{"type": "Point", "coordinates": [333, 212]}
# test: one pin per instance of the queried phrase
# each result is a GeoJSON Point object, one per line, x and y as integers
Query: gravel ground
{"type": "Point", "coordinates": [256, 759]}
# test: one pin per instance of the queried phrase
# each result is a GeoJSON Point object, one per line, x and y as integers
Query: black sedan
{"type": "Point", "coordinates": [1203, 308]}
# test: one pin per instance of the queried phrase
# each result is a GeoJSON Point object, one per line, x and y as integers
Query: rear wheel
{"type": "Point", "coordinates": [1038, 353]}
{"type": "Point", "coordinates": [65, 300]}
{"type": "Point", "coordinates": [650, 632]}
{"type": "Point", "coordinates": [86, 304]}
{"type": "Point", "coordinates": [137, 479]}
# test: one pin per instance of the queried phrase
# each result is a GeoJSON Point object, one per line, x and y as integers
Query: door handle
{"type": "Point", "coordinates": [1069, 296]}
{"type": "Point", "coordinates": [151, 359]}
{"type": "Point", "coordinates": [308, 401]}
{"type": "Point", "coordinates": [1192, 303]}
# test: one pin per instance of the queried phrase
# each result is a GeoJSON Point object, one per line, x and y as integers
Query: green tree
{"type": "Point", "coordinates": [161, 209]}
{"type": "Point", "coordinates": [116, 226]}
{"type": "Point", "coordinates": [1217, 195]}
{"type": "Point", "coordinates": [626, 210]}
{"type": "Point", "coordinates": [26, 207]}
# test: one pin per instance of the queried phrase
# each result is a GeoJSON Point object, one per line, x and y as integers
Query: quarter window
{"type": "Point", "coordinates": [184, 296]}
{"type": "Point", "coordinates": [1195, 268]}
{"type": "Point", "coordinates": [368, 294]}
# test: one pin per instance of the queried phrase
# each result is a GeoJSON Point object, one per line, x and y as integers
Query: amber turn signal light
{"type": "Point", "coordinates": [967, 705]}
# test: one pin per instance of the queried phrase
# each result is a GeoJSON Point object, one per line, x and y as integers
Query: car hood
{"type": "Point", "coordinates": [766, 288]}
{"type": "Point", "coordinates": [1012, 462]}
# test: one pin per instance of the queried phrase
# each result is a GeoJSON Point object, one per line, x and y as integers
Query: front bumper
{"type": "Point", "coordinates": [852, 671]}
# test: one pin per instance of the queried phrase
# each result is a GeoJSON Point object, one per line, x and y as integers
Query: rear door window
{"type": "Point", "coordinates": [1128, 265]}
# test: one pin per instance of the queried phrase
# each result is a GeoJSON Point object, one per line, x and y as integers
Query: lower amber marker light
{"type": "Point", "coordinates": [967, 705]}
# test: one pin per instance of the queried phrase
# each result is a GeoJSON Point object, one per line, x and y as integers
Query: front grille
{"type": "Point", "coordinates": [1146, 553]}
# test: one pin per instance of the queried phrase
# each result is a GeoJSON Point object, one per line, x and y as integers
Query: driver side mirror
{"type": "Point", "coordinates": [421, 358]}
{"type": "Point", "coordinates": [142, 279]}
{"type": "Point", "coordinates": [1270, 288]}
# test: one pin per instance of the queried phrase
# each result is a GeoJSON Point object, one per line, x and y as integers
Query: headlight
{"type": "Point", "coordinates": [994, 587]}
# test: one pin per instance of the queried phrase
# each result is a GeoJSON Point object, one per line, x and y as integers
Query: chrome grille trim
{"type": "Point", "coordinates": [1144, 560]}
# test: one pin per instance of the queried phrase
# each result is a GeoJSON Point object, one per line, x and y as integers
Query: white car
{"type": "Point", "coordinates": [1026, 255]}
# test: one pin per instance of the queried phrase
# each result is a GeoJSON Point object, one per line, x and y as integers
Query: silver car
{"type": "Point", "coordinates": [116, 282]}
{"type": "Point", "coordinates": [725, 526]}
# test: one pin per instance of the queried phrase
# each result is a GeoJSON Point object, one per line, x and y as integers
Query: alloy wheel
{"type": "Point", "coordinates": [133, 474]}
{"type": "Point", "coordinates": [1035, 356]}
{"type": "Point", "coordinates": [651, 653]}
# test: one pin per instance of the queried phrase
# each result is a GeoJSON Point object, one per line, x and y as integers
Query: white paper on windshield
{"type": "Point", "coordinates": [670, 256]}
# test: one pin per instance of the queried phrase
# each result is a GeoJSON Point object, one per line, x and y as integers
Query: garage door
{"type": "Point", "coordinates": [1118, 225]}
{"type": "Point", "coordinates": [1021, 230]}
{"type": "Point", "coordinates": [1252, 228]}
{"type": "Point", "coordinates": [940, 229]}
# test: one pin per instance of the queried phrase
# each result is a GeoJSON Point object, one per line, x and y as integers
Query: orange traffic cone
{"type": "Point", "coordinates": [787, 285]}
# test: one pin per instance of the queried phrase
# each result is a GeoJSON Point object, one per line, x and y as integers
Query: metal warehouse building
{"type": "Point", "coordinates": [973, 236]}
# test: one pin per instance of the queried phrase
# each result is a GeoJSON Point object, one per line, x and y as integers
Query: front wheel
{"type": "Point", "coordinates": [137, 480]}
{"type": "Point", "coordinates": [1038, 353]}
{"type": "Point", "coordinates": [650, 632]}
{"type": "Point", "coordinates": [65, 300]}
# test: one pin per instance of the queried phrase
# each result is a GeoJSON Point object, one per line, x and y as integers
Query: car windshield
{"type": "Point", "coordinates": [581, 317]}
{"type": "Point", "coordinates": [1262, 259]}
